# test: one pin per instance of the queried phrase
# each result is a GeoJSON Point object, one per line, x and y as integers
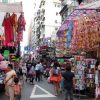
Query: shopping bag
{"type": "Point", "coordinates": [97, 92]}
{"type": "Point", "coordinates": [30, 72]}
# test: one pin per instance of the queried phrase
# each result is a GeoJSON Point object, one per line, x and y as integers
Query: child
{"type": "Point", "coordinates": [17, 89]}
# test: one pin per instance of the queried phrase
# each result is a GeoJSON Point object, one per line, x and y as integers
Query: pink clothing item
{"type": "Point", "coordinates": [8, 29]}
{"type": "Point", "coordinates": [21, 27]}
{"type": "Point", "coordinates": [21, 23]}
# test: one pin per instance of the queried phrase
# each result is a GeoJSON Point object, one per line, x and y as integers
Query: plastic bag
{"type": "Point", "coordinates": [97, 92]}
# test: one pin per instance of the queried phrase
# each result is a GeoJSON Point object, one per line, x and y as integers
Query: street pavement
{"type": "Point", "coordinates": [40, 91]}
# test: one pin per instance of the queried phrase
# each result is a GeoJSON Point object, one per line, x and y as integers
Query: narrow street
{"type": "Point", "coordinates": [40, 91]}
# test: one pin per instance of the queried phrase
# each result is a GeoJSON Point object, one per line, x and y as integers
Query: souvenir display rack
{"type": "Point", "coordinates": [85, 76]}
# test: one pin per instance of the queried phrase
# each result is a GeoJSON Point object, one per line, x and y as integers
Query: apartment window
{"type": "Point", "coordinates": [58, 5]}
{"type": "Point", "coordinates": [43, 10]}
{"type": "Point", "coordinates": [55, 21]}
{"type": "Point", "coordinates": [56, 28]}
{"type": "Point", "coordinates": [44, 3]}
{"type": "Point", "coordinates": [5, 1]}
{"type": "Point", "coordinates": [56, 13]}
{"type": "Point", "coordinates": [43, 18]}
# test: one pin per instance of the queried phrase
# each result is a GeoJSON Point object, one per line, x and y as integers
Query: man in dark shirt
{"type": "Point", "coordinates": [68, 77]}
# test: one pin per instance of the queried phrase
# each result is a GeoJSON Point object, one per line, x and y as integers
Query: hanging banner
{"type": "Point", "coordinates": [11, 7]}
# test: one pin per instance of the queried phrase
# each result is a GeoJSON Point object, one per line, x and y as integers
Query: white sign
{"type": "Point", "coordinates": [46, 95]}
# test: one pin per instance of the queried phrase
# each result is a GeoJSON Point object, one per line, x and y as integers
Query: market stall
{"type": "Point", "coordinates": [12, 25]}
{"type": "Point", "coordinates": [83, 35]}
{"type": "Point", "coordinates": [3, 70]}
{"type": "Point", "coordinates": [85, 75]}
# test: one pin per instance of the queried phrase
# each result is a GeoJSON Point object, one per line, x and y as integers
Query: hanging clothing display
{"type": "Point", "coordinates": [8, 29]}
{"type": "Point", "coordinates": [13, 28]}
{"type": "Point", "coordinates": [21, 27]}
{"type": "Point", "coordinates": [14, 24]}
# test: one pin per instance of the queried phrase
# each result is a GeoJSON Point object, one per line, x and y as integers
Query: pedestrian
{"type": "Point", "coordinates": [28, 66]}
{"type": "Point", "coordinates": [37, 71]}
{"type": "Point", "coordinates": [17, 89]}
{"type": "Point", "coordinates": [32, 74]}
{"type": "Point", "coordinates": [20, 73]}
{"type": "Point", "coordinates": [56, 78]}
{"type": "Point", "coordinates": [24, 71]}
{"type": "Point", "coordinates": [41, 71]}
{"type": "Point", "coordinates": [69, 82]}
{"type": "Point", "coordinates": [9, 81]}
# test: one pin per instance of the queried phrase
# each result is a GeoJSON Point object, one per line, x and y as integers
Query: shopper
{"type": "Point", "coordinates": [17, 89]}
{"type": "Point", "coordinates": [9, 81]}
{"type": "Point", "coordinates": [56, 78]}
{"type": "Point", "coordinates": [41, 70]}
{"type": "Point", "coordinates": [37, 71]}
{"type": "Point", "coordinates": [32, 74]}
{"type": "Point", "coordinates": [21, 73]}
{"type": "Point", "coordinates": [68, 77]}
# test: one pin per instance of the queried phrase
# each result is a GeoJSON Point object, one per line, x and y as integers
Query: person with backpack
{"type": "Point", "coordinates": [56, 79]}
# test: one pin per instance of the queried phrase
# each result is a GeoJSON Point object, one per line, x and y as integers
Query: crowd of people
{"type": "Point", "coordinates": [62, 78]}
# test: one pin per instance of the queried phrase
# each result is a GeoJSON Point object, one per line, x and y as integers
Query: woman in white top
{"type": "Point", "coordinates": [9, 80]}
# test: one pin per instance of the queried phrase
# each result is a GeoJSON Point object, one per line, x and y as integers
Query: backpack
{"type": "Point", "coordinates": [55, 72]}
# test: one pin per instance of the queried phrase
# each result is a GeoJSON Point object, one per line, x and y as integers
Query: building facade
{"type": "Point", "coordinates": [47, 20]}
{"type": "Point", "coordinates": [89, 1]}
{"type": "Point", "coordinates": [3, 13]}
{"type": "Point", "coordinates": [7, 1]}
{"type": "Point", "coordinates": [67, 7]}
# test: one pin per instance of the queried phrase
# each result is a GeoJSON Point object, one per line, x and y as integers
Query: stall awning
{"type": "Point", "coordinates": [91, 7]}
{"type": "Point", "coordinates": [11, 7]}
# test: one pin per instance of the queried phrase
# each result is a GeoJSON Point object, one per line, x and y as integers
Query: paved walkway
{"type": "Point", "coordinates": [40, 91]}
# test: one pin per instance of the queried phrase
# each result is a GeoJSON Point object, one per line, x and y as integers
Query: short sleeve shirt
{"type": "Point", "coordinates": [38, 67]}
{"type": "Point", "coordinates": [68, 79]}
